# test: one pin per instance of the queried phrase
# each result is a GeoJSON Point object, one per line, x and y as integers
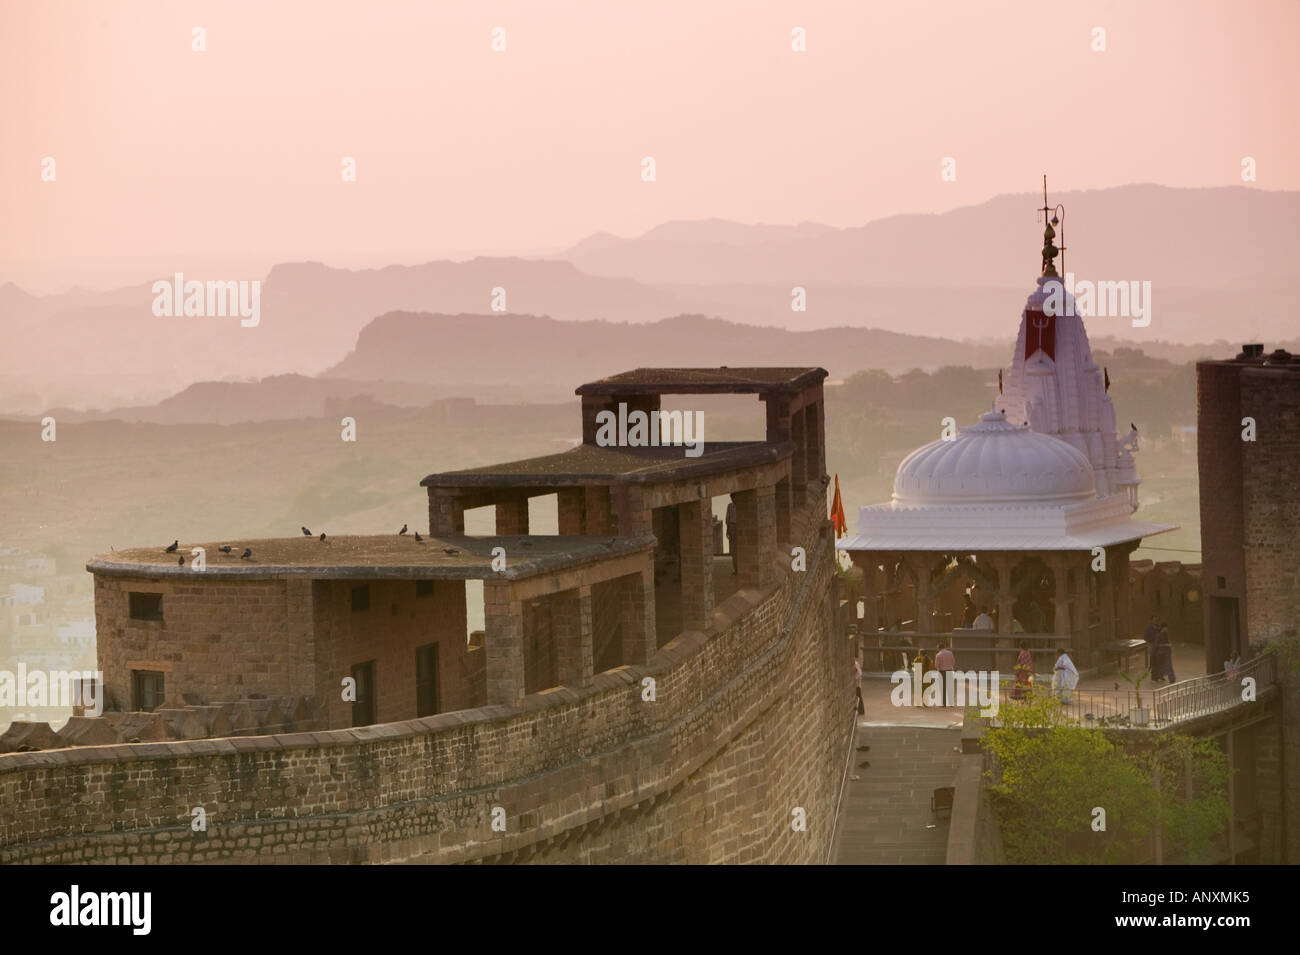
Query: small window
{"type": "Point", "coordinates": [146, 606]}
{"type": "Point", "coordinates": [146, 690]}
{"type": "Point", "coordinates": [361, 598]}
{"type": "Point", "coordinates": [363, 709]}
{"type": "Point", "coordinates": [424, 588]}
{"type": "Point", "coordinates": [426, 680]}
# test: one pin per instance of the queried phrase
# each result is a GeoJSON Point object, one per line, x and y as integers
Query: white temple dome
{"type": "Point", "coordinates": [995, 462]}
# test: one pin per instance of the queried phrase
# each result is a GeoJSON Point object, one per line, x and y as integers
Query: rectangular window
{"type": "Point", "coordinates": [146, 690]}
{"type": "Point", "coordinates": [424, 588]}
{"type": "Point", "coordinates": [361, 598]}
{"type": "Point", "coordinates": [426, 680]}
{"type": "Point", "coordinates": [145, 606]}
{"type": "Point", "coordinates": [363, 709]}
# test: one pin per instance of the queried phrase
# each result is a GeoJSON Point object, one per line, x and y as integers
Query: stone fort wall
{"type": "Point", "coordinates": [748, 724]}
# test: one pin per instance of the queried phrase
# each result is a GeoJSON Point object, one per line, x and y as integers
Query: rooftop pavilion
{"type": "Point", "coordinates": [594, 482]}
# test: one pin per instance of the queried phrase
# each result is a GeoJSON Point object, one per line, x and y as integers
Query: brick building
{"type": "Point", "coordinates": [1248, 448]}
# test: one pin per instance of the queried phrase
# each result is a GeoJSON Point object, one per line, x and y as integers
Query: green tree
{"type": "Point", "coordinates": [1050, 774]}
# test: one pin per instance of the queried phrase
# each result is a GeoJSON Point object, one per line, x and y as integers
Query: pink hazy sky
{"type": "Point", "coordinates": [229, 160]}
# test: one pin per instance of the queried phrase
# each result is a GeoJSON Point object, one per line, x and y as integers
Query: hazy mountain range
{"type": "Point", "coordinates": [902, 292]}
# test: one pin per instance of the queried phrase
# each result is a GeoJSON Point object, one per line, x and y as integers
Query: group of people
{"type": "Point", "coordinates": [1160, 650]}
{"type": "Point", "coordinates": [943, 661]}
{"type": "Point", "coordinates": [1065, 675]}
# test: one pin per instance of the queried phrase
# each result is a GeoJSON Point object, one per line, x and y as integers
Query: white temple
{"type": "Point", "coordinates": [1034, 488]}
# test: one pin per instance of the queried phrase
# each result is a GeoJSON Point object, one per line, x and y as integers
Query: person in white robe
{"type": "Point", "coordinates": [1065, 677]}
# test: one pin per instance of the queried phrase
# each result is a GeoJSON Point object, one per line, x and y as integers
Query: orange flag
{"type": "Point", "coordinates": [837, 512]}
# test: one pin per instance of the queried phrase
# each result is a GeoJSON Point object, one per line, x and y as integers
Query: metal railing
{"type": "Point", "coordinates": [1163, 706]}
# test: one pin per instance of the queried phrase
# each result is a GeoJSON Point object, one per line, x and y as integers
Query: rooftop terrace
{"type": "Point", "coordinates": [704, 381]}
{"type": "Point", "coordinates": [388, 556]}
{"type": "Point", "coordinates": [595, 465]}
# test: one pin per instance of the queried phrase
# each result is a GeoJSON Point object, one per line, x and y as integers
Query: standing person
{"type": "Point", "coordinates": [926, 663]}
{"type": "Point", "coordinates": [1158, 650]}
{"type": "Point", "coordinates": [1167, 654]}
{"type": "Point", "coordinates": [731, 535]}
{"type": "Point", "coordinates": [1024, 673]}
{"type": "Point", "coordinates": [1149, 635]}
{"type": "Point", "coordinates": [969, 613]}
{"type": "Point", "coordinates": [1065, 677]}
{"type": "Point", "coordinates": [984, 621]}
{"type": "Point", "coordinates": [945, 663]}
{"type": "Point", "coordinates": [857, 677]}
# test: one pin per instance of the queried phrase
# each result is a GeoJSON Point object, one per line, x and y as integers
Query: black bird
{"type": "Point", "coordinates": [450, 550]}
{"type": "Point", "coordinates": [181, 561]}
{"type": "Point", "coordinates": [402, 531]}
{"type": "Point", "coordinates": [224, 549]}
{"type": "Point", "coordinates": [322, 537]}
{"type": "Point", "coordinates": [248, 552]}
{"type": "Point", "coordinates": [864, 765]}
{"type": "Point", "coordinates": [172, 549]}
{"type": "Point", "coordinates": [418, 538]}
{"type": "Point", "coordinates": [1132, 425]}
{"type": "Point", "coordinates": [306, 532]}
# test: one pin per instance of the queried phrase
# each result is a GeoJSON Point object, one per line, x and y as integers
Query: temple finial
{"type": "Point", "coordinates": [1050, 251]}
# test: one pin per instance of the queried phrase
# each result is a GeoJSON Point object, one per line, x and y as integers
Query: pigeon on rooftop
{"type": "Point", "coordinates": [450, 550]}
{"type": "Point", "coordinates": [181, 560]}
{"type": "Point", "coordinates": [322, 537]}
{"type": "Point", "coordinates": [418, 538]}
{"type": "Point", "coordinates": [306, 532]}
{"type": "Point", "coordinates": [174, 544]}
{"type": "Point", "coordinates": [402, 531]}
{"type": "Point", "coordinates": [248, 552]}
{"type": "Point", "coordinates": [225, 548]}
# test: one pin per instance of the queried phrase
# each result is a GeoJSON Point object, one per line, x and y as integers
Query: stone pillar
{"type": "Point", "coordinates": [756, 546]}
{"type": "Point", "coordinates": [815, 457]}
{"type": "Point", "coordinates": [1123, 625]}
{"type": "Point", "coordinates": [870, 589]}
{"type": "Point", "coordinates": [782, 504]}
{"type": "Point", "coordinates": [446, 513]}
{"type": "Point", "coordinates": [638, 617]}
{"type": "Point", "coordinates": [918, 565]}
{"type": "Point", "coordinates": [1061, 601]}
{"type": "Point", "coordinates": [512, 516]}
{"type": "Point", "coordinates": [504, 649]}
{"type": "Point", "coordinates": [1005, 564]}
{"type": "Point", "coordinates": [572, 507]}
{"type": "Point", "coordinates": [632, 516]}
{"type": "Point", "coordinates": [696, 529]}
{"type": "Point", "coordinates": [1106, 598]}
{"type": "Point", "coordinates": [767, 545]}
{"type": "Point", "coordinates": [592, 405]}
{"type": "Point", "coordinates": [745, 543]}
{"type": "Point", "coordinates": [1082, 600]}
{"type": "Point", "coordinates": [799, 463]}
{"type": "Point", "coordinates": [598, 515]}
{"type": "Point", "coordinates": [779, 418]}
{"type": "Point", "coordinates": [571, 618]}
